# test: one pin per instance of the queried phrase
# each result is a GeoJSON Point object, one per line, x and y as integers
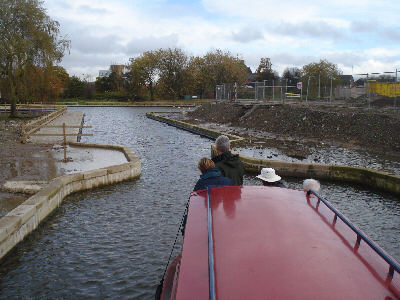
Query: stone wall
{"type": "Point", "coordinates": [368, 177]}
{"type": "Point", "coordinates": [25, 218]}
{"type": "Point", "coordinates": [203, 131]}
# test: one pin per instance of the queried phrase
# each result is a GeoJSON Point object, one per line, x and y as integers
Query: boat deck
{"type": "Point", "coordinates": [274, 243]}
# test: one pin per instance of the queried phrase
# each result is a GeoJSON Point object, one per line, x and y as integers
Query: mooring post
{"type": "Point", "coordinates": [23, 133]}
{"type": "Point", "coordinates": [65, 144]}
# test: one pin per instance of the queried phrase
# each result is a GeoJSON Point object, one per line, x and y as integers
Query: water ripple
{"type": "Point", "coordinates": [113, 242]}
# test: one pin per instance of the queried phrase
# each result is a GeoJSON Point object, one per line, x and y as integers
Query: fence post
{"type": "Point", "coordinates": [264, 90]}
{"type": "Point", "coordinates": [395, 90]}
{"type": "Point", "coordinates": [273, 90]}
{"type": "Point", "coordinates": [256, 91]}
{"type": "Point", "coordinates": [65, 144]}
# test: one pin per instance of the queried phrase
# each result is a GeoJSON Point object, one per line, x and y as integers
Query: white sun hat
{"type": "Point", "coordinates": [268, 174]}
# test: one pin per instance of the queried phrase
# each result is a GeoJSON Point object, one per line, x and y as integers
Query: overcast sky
{"type": "Point", "coordinates": [360, 36]}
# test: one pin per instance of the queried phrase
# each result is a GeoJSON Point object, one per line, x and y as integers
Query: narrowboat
{"type": "Point", "coordinates": [256, 242]}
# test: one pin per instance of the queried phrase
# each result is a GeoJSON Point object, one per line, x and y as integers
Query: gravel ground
{"type": "Point", "coordinates": [353, 128]}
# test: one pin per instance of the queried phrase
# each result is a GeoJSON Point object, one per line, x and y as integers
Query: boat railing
{"type": "Point", "coordinates": [393, 265]}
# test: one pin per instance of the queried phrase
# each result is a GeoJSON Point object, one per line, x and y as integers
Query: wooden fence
{"type": "Point", "coordinates": [30, 128]}
{"type": "Point", "coordinates": [64, 134]}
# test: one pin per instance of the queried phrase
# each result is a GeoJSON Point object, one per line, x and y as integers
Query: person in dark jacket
{"type": "Point", "coordinates": [210, 176]}
{"type": "Point", "coordinates": [269, 178]}
{"type": "Point", "coordinates": [227, 163]}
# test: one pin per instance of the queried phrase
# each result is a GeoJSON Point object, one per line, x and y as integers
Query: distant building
{"type": "Point", "coordinates": [104, 73]}
{"type": "Point", "coordinates": [119, 69]}
{"type": "Point", "coordinates": [347, 80]}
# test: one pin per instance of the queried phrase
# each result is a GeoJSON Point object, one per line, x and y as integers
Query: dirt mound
{"type": "Point", "coordinates": [335, 125]}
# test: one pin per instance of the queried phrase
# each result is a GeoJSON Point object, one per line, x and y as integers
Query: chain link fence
{"type": "Point", "coordinates": [367, 91]}
{"type": "Point", "coordinates": [264, 91]}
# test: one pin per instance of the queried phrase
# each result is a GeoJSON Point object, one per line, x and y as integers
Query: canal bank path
{"type": "Point", "coordinates": [69, 118]}
{"type": "Point", "coordinates": [28, 167]}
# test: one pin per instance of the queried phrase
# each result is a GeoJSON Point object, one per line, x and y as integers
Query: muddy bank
{"type": "Point", "coordinates": [302, 125]}
{"type": "Point", "coordinates": [23, 161]}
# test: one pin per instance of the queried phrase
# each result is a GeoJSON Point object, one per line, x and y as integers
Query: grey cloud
{"type": "Point", "coordinates": [89, 44]}
{"type": "Point", "coordinates": [246, 35]}
{"type": "Point", "coordinates": [363, 26]}
{"type": "Point", "coordinates": [376, 29]}
{"type": "Point", "coordinates": [391, 34]}
{"type": "Point", "coordinates": [84, 40]}
{"type": "Point", "coordinates": [311, 29]}
{"type": "Point", "coordinates": [140, 45]}
{"type": "Point", "coordinates": [347, 59]}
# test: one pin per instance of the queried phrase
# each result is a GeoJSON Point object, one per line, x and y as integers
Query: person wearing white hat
{"type": "Point", "coordinates": [269, 178]}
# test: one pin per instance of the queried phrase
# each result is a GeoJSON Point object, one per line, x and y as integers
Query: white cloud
{"type": "Point", "coordinates": [358, 33]}
{"type": "Point", "coordinates": [140, 45]}
{"type": "Point", "coordinates": [86, 9]}
{"type": "Point", "coordinates": [260, 9]}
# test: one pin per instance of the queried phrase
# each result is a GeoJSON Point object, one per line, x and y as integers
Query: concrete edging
{"type": "Point", "coordinates": [380, 180]}
{"type": "Point", "coordinates": [25, 218]}
{"type": "Point", "coordinates": [203, 131]}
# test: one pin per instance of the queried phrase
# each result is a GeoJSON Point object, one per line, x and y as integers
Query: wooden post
{"type": "Point", "coordinates": [65, 144]}
{"type": "Point", "coordinates": [23, 133]}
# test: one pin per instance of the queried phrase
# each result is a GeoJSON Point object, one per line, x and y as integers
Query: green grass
{"type": "Point", "coordinates": [102, 101]}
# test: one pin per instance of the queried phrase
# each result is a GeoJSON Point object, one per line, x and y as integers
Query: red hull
{"type": "Point", "coordinates": [274, 243]}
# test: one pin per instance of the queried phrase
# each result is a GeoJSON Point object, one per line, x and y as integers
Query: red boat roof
{"type": "Point", "coordinates": [276, 243]}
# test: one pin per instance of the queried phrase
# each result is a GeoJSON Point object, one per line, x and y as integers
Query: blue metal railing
{"type": "Point", "coordinates": [211, 272]}
{"type": "Point", "coordinates": [393, 265]}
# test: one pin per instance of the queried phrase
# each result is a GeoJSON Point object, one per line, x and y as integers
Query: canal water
{"type": "Point", "coordinates": [113, 242]}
